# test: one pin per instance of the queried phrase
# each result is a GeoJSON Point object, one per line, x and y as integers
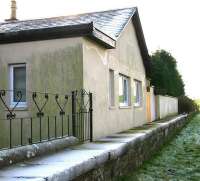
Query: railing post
{"type": "Point", "coordinates": [31, 138]}
{"type": "Point", "coordinates": [21, 120]}
{"type": "Point", "coordinates": [74, 113]}
{"type": "Point", "coordinates": [91, 117]}
{"type": "Point", "coordinates": [10, 133]}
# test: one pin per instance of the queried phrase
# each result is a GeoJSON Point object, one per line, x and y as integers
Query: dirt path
{"type": "Point", "coordinates": [178, 161]}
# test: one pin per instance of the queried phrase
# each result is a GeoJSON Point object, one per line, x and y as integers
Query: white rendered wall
{"type": "Point", "coordinates": [166, 106]}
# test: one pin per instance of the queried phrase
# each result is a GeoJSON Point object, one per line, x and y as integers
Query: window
{"type": "Point", "coordinates": [124, 90]}
{"type": "Point", "coordinates": [18, 83]}
{"type": "Point", "coordinates": [138, 93]}
{"type": "Point", "coordinates": [111, 88]}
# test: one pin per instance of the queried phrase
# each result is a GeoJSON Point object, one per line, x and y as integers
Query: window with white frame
{"type": "Point", "coordinates": [18, 85]}
{"type": "Point", "coordinates": [138, 93]}
{"type": "Point", "coordinates": [111, 88]}
{"type": "Point", "coordinates": [124, 90]}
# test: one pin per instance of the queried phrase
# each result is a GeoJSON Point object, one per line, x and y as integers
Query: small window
{"type": "Point", "coordinates": [124, 90]}
{"type": "Point", "coordinates": [18, 84]}
{"type": "Point", "coordinates": [111, 88]}
{"type": "Point", "coordinates": [138, 93]}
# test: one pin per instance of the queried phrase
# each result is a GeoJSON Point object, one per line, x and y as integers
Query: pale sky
{"type": "Point", "coordinates": [173, 25]}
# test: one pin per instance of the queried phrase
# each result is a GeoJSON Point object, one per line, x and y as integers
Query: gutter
{"type": "Point", "coordinates": [79, 30]}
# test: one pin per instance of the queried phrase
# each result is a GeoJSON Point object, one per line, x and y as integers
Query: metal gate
{"type": "Point", "coordinates": [82, 118]}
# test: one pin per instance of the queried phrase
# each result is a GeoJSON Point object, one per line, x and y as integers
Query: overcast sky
{"type": "Point", "coordinates": [173, 25]}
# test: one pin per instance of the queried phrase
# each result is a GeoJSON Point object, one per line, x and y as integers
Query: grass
{"type": "Point", "coordinates": [179, 160]}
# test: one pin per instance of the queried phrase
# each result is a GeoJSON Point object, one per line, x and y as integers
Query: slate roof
{"type": "Point", "coordinates": [110, 22]}
{"type": "Point", "coordinates": [104, 27]}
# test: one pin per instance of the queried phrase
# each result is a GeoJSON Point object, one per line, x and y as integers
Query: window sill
{"type": "Point", "coordinates": [137, 106]}
{"type": "Point", "coordinates": [23, 107]}
{"type": "Point", "coordinates": [18, 109]}
{"type": "Point", "coordinates": [125, 107]}
{"type": "Point", "coordinates": [112, 107]}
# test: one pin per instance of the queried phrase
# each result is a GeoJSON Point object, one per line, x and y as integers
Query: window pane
{"type": "Point", "coordinates": [19, 82]}
{"type": "Point", "coordinates": [121, 98]}
{"type": "Point", "coordinates": [123, 90]}
{"type": "Point", "coordinates": [138, 93]}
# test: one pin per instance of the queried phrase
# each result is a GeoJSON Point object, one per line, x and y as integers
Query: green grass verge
{"type": "Point", "coordinates": [179, 160]}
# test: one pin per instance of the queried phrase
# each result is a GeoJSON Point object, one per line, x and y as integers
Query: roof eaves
{"type": "Point", "coordinates": [46, 33]}
{"type": "Point", "coordinates": [142, 42]}
{"type": "Point", "coordinates": [134, 17]}
{"type": "Point", "coordinates": [103, 38]}
{"type": "Point", "coordinates": [87, 29]}
{"type": "Point", "coordinates": [130, 18]}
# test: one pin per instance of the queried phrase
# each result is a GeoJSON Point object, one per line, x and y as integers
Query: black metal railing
{"type": "Point", "coordinates": [82, 111]}
{"type": "Point", "coordinates": [50, 116]}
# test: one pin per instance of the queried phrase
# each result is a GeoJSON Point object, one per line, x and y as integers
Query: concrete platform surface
{"type": "Point", "coordinates": [76, 160]}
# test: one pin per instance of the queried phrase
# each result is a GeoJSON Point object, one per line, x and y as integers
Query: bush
{"type": "Point", "coordinates": [187, 105]}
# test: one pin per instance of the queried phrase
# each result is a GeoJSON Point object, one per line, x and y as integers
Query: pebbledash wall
{"type": "Point", "coordinates": [125, 59]}
{"type": "Point", "coordinates": [62, 65]}
{"type": "Point", "coordinates": [53, 66]}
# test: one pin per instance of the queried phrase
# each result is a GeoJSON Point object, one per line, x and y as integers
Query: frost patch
{"type": "Point", "coordinates": [28, 155]}
{"type": "Point", "coordinates": [36, 146]}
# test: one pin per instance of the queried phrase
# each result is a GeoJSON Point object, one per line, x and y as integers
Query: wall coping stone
{"type": "Point", "coordinates": [19, 154]}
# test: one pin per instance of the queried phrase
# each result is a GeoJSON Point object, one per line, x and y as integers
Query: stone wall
{"type": "Point", "coordinates": [130, 157]}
